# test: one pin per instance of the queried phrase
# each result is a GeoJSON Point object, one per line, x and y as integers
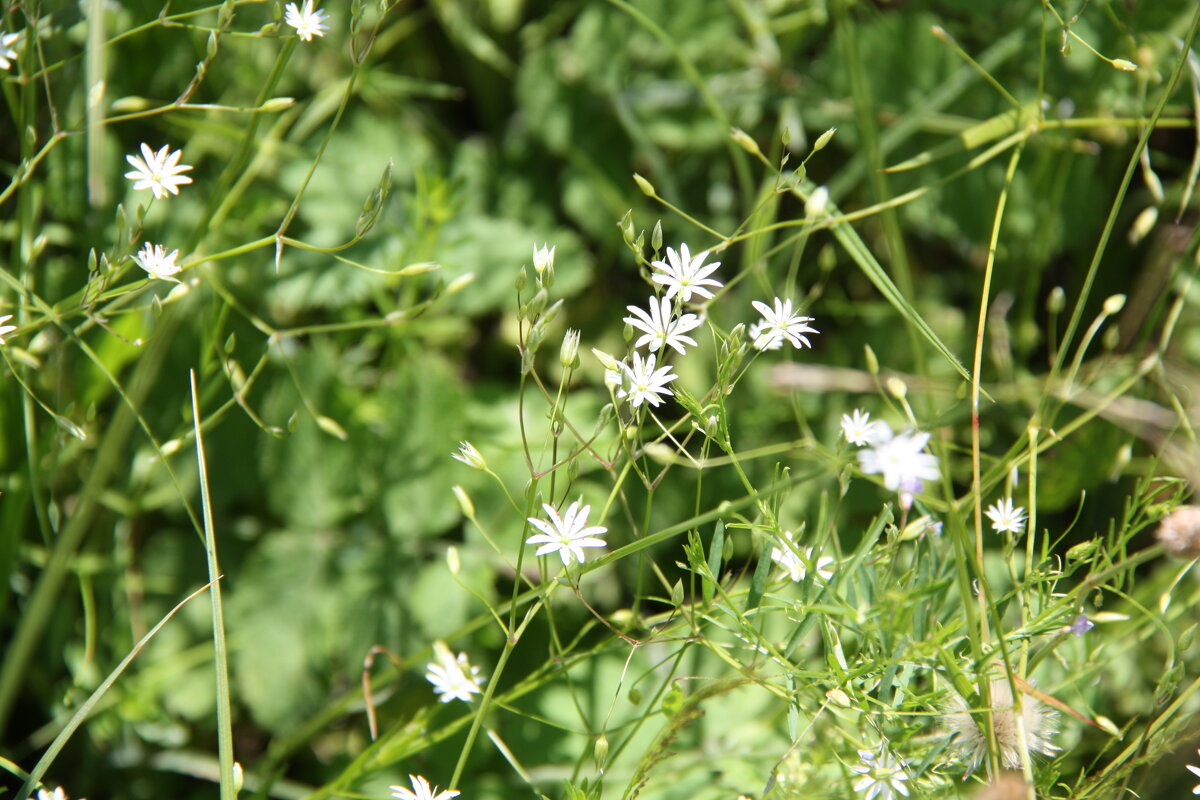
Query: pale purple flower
{"type": "Point", "coordinates": [660, 326]}
{"type": "Point", "coordinates": [901, 460]}
{"type": "Point", "coordinates": [684, 275]}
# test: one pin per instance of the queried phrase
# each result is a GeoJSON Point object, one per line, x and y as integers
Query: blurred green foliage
{"type": "Point", "coordinates": [333, 389]}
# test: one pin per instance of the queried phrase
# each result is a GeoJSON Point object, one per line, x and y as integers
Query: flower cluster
{"type": "Point", "coordinates": [899, 457]}
{"type": "Point", "coordinates": [970, 741]}
{"type": "Point", "coordinates": [161, 173]}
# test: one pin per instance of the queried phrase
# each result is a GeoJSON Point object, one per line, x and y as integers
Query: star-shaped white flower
{"type": "Point", "coordinates": [5, 330]}
{"type": "Point", "coordinates": [882, 775]}
{"type": "Point", "coordinates": [1005, 517]}
{"type": "Point", "coordinates": [779, 324]}
{"type": "Point", "coordinates": [902, 461]}
{"type": "Point", "coordinates": [645, 383]}
{"type": "Point", "coordinates": [421, 791]}
{"type": "Point", "coordinates": [7, 54]}
{"type": "Point", "coordinates": [684, 275]}
{"type": "Point", "coordinates": [568, 533]}
{"type": "Point", "coordinates": [859, 429]}
{"type": "Point", "coordinates": [659, 327]}
{"type": "Point", "coordinates": [1195, 771]}
{"type": "Point", "coordinates": [155, 259]}
{"type": "Point", "coordinates": [307, 22]}
{"type": "Point", "coordinates": [797, 565]}
{"type": "Point", "coordinates": [453, 678]}
{"type": "Point", "coordinates": [158, 171]}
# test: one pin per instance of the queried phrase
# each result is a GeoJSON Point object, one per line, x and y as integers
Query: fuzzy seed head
{"type": "Point", "coordinates": [969, 739]}
{"type": "Point", "coordinates": [1179, 532]}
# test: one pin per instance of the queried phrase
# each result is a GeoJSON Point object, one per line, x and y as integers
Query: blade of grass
{"type": "Point", "coordinates": [78, 718]}
{"type": "Point", "coordinates": [220, 652]}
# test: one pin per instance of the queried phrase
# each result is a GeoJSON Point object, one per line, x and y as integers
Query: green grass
{"type": "Point", "coordinates": [989, 216]}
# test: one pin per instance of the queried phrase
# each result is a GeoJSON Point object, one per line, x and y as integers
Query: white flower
{"type": "Point", "coordinates": [7, 54]}
{"type": "Point", "coordinates": [901, 461]}
{"type": "Point", "coordinates": [421, 791]}
{"type": "Point", "coordinates": [780, 323]}
{"type": "Point", "coordinates": [453, 678]}
{"type": "Point", "coordinates": [568, 534]}
{"type": "Point", "coordinates": [1195, 771]}
{"type": "Point", "coordinates": [5, 330]}
{"type": "Point", "coordinates": [660, 329]}
{"type": "Point", "coordinates": [684, 275]}
{"type": "Point", "coordinates": [308, 23]}
{"type": "Point", "coordinates": [970, 741]}
{"type": "Point", "coordinates": [859, 429]}
{"type": "Point", "coordinates": [645, 382]}
{"type": "Point", "coordinates": [882, 775]}
{"type": "Point", "coordinates": [797, 565]}
{"type": "Point", "coordinates": [543, 258]}
{"type": "Point", "coordinates": [57, 794]}
{"type": "Point", "coordinates": [155, 259]}
{"type": "Point", "coordinates": [158, 171]}
{"type": "Point", "coordinates": [468, 455]}
{"type": "Point", "coordinates": [1006, 518]}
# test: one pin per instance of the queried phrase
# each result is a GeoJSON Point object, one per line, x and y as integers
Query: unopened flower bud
{"type": "Point", "coordinates": [568, 355]}
{"type": "Point", "coordinates": [645, 185]}
{"type": "Point", "coordinates": [817, 202]}
{"type": "Point", "coordinates": [468, 455]}
{"type": "Point", "coordinates": [897, 387]}
{"type": "Point", "coordinates": [1056, 301]}
{"type": "Point", "coordinates": [1114, 303]}
{"type": "Point", "coordinates": [744, 141]}
{"type": "Point", "coordinates": [543, 258]}
{"type": "Point", "coordinates": [872, 359]}
{"type": "Point", "coordinates": [460, 283]}
{"type": "Point", "coordinates": [452, 559]}
{"type": "Point", "coordinates": [464, 501]}
{"type": "Point", "coordinates": [1179, 532]}
{"type": "Point", "coordinates": [823, 139]}
{"type": "Point", "coordinates": [1123, 64]}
